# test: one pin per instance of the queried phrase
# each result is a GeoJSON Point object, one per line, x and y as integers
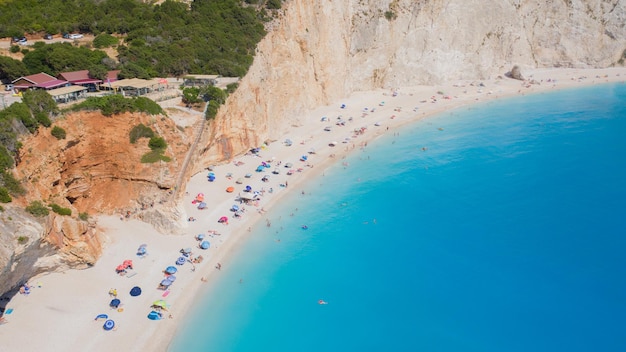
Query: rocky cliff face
{"type": "Point", "coordinates": [94, 170]}
{"type": "Point", "coordinates": [29, 246]}
{"type": "Point", "coordinates": [321, 50]}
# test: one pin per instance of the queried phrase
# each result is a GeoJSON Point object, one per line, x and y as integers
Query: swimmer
{"type": "Point", "coordinates": [321, 301]}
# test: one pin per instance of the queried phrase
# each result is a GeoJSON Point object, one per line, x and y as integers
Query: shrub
{"type": "Point", "coordinates": [4, 195]}
{"type": "Point", "coordinates": [212, 110]}
{"type": "Point", "coordinates": [43, 119]}
{"type": "Point", "coordinates": [273, 4]}
{"type": "Point", "coordinates": [22, 240]}
{"type": "Point", "coordinates": [140, 131]}
{"type": "Point", "coordinates": [60, 210]}
{"type": "Point", "coordinates": [390, 15]}
{"type": "Point", "coordinates": [157, 143]}
{"type": "Point", "coordinates": [83, 216]}
{"type": "Point", "coordinates": [104, 40]}
{"type": "Point", "coordinates": [14, 49]}
{"type": "Point", "coordinates": [154, 156]}
{"type": "Point", "coordinates": [58, 132]}
{"type": "Point", "coordinates": [37, 209]}
{"type": "Point", "coordinates": [148, 106]}
{"type": "Point", "coordinates": [11, 183]}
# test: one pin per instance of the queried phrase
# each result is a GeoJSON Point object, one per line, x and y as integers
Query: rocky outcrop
{"type": "Point", "coordinates": [94, 170]}
{"type": "Point", "coordinates": [319, 51]}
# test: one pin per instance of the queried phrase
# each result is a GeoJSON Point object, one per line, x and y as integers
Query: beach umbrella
{"type": "Point", "coordinates": [171, 278]}
{"type": "Point", "coordinates": [200, 237]}
{"type": "Point", "coordinates": [304, 158]}
{"type": "Point", "coordinates": [248, 188]}
{"type": "Point", "coordinates": [202, 205]}
{"type": "Point", "coordinates": [223, 219]}
{"type": "Point", "coordinates": [181, 260]}
{"type": "Point", "coordinates": [128, 263]}
{"type": "Point", "coordinates": [101, 316]}
{"type": "Point", "coordinates": [235, 208]}
{"type": "Point", "coordinates": [205, 245]}
{"type": "Point", "coordinates": [108, 325]}
{"type": "Point", "coordinates": [160, 303]}
{"type": "Point", "coordinates": [248, 175]}
{"type": "Point", "coordinates": [166, 282]}
{"type": "Point", "coordinates": [230, 189]}
{"type": "Point", "coordinates": [115, 303]}
{"type": "Point", "coordinates": [260, 168]}
{"type": "Point", "coordinates": [171, 270]}
{"type": "Point", "coordinates": [288, 165]}
{"type": "Point", "coordinates": [120, 267]}
{"type": "Point", "coordinates": [135, 291]}
{"type": "Point", "coordinates": [239, 181]}
{"type": "Point", "coordinates": [154, 315]}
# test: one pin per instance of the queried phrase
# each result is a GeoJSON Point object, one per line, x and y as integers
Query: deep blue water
{"type": "Point", "coordinates": [507, 233]}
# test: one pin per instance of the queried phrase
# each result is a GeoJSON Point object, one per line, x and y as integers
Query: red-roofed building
{"type": "Point", "coordinates": [80, 78]}
{"type": "Point", "coordinates": [38, 81]}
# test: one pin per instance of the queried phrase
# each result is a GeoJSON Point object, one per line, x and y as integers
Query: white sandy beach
{"type": "Point", "coordinates": [61, 307]}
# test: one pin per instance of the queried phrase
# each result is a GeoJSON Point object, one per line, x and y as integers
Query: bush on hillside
{"type": "Point", "coordinates": [104, 40]}
{"type": "Point", "coordinates": [60, 210]}
{"type": "Point", "coordinates": [157, 143]}
{"type": "Point", "coordinates": [140, 131]}
{"type": "Point", "coordinates": [58, 132]}
{"type": "Point", "coordinates": [37, 209]}
{"type": "Point", "coordinates": [4, 196]}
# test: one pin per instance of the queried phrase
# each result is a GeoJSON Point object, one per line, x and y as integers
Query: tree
{"type": "Point", "coordinates": [11, 69]}
{"type": "Point", "coordinates": [157, 143]}
{"type": "Point", "coordinates": [39, 101]}
{"type": "Point", "coordinates": [191, 95]}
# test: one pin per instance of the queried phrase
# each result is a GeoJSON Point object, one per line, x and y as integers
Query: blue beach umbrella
{"type": "Point", "coordinates": [205, 245]}
{"type": "Point", "coordinates": [154, 315]}
{"type": "Point", "coordinates": [135, 291]}
{"type": "Point", "coordinates": [200, 237]}
{"type": "Point", "coordinates": [181, 260]}
{"type": "Point", "coordinates": [115, 303]}
{"type": "Point", "coordinates": [171, 270]}
{"type": "Point", "coordinates": [101, 316]}
{"type": "Point", "coordinates": [108, 325]}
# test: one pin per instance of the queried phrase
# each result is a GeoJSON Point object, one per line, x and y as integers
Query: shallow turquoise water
{"type": "Point", "coordinates": [506, 234]}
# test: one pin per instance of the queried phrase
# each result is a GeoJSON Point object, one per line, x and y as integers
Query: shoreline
{"type": "Point", "coordinates": [62, 306]}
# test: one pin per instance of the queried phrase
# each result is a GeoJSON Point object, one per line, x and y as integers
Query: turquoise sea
{"type": "Point", "coordinates": [508, 233]}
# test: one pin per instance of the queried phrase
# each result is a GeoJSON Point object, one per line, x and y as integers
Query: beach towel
{"type": "Point", "coordinates": [165, 294]}
{"type": "Point", "coordinates": [8, 311]}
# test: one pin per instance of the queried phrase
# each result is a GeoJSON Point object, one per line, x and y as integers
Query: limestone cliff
{"type": "Point", "coordinates": [94, 170]}
{"type": "Point", "coordinates": [318, 51]}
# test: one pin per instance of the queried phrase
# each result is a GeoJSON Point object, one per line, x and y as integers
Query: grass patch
{"type": "Point", "coordinates": [22, 240]}
{"type": "Point", "coordinates": [154, 156]}
{"type": "Point", "coordinates": [60, 210]}
{"type": "Point", "coordinates": [37, 209]}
